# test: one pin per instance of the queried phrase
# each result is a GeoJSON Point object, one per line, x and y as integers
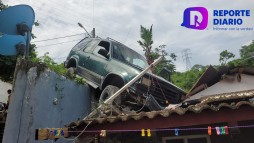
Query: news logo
{"type": "Point", "coordinates": [195, 18]}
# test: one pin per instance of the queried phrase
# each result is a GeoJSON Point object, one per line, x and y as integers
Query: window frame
{"type": "Point", "coordinates": [185, 138]}
{"type": "Point", "coordinates": [95, 51]}
{"type": "Point", "coordinates": [91, 46]}
{"type": "Point", "coordinates": [84, 41]}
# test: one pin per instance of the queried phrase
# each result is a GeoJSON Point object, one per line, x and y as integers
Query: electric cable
{"type": "Point", "coordinates": [58, 43]}
{"type": "Point", "coordinates": [57, 38]}
{"type": "Point", "coordinates": [165, 129]}
{"type": "Point", "coordinates": [161, 90]}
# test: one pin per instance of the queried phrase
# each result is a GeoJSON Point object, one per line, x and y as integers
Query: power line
{"type": "Point", "coordinates": [66, 15]}
{"type": "Point", "coordinates": [58, 43]}
{"type": "Point", "coordinates": [57, 38]}
{"type": "Point", "coordinates": [69, 17]}
{"type": "Point", "coordinates": [61, 16]}
{"type": "Point", "coordinates": [102, 24]}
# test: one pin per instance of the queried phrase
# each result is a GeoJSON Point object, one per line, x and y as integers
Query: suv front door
{"type": "Point", "coordinates": [98, 63]}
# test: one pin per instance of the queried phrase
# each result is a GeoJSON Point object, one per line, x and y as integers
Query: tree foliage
{"type": "Point", "coordinates": [186, 80]}
{"type": "Point", "coordinates": [166, 66]}
{"type": "Point", "coordinates": [49, 62]}
{"type": "Point", "coordinates": [246, 57]}
{"type": "Point", "coordinates": [58, 68]}
{"type": "Point", "coordinates": [146, 42]}
{"type": "Point", "coordinates": [7, 67]}
{"type": "Point", "coordinates": [8, 64]}
{"type": "Point", "coordinates": [225, 56]}
{"type": "Point", "coordinates": [247, 50]}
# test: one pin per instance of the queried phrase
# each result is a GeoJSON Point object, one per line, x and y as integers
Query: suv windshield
{"type": "Point", "coordinates": [127, 55]}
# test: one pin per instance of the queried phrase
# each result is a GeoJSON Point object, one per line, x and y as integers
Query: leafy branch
{"type": "Point", "coordinates": [58, 68]}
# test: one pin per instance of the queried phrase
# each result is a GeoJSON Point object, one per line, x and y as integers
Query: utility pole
{"type": "Point", "coordinates": [93, 33]}
{"type": "Point", "coordinates": [186, 55]}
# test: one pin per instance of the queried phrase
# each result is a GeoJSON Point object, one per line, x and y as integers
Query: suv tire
{"type": "Point", "coordinates": [108, 92]}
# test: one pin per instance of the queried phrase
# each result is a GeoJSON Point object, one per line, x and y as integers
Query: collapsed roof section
{"type": "Point", "coordinates": [222, 90]}
{"type": "Point", "coordinates": [226, 80]}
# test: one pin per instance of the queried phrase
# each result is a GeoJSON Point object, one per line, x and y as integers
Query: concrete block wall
{"type": "Point", "coordinates": [40, 99]}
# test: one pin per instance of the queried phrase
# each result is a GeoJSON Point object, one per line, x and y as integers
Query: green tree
{"type": "Point", "coordinates": [146, 42]}
{"type": "Point", "coordinates": [198, 67]}
{"type": "Point", "coordinates": [49, 62]}
{"type": "Point", "coordinates": [57, 68]}
{"type": "Point", "coordinates": [186, 80]}
{"type": "Point", "coordinates": [247, 50]}
{"type": "Point", "coordinates": [225, 56]}
{"type": "Point", "coordinates": [246, 57]}
{"type": "Point", "coordinates": [166, 66]}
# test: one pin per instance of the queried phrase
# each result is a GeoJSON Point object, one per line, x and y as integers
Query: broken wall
{"type": "Point", "coordinates": [41, 99]}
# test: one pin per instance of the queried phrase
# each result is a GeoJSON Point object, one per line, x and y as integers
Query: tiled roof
{"type": "Point", "coordinates": [228, 96]}
{"type": "Point", "coordinates": [232, 100]}
{"type": "Point", "coordinates": [231, 95]}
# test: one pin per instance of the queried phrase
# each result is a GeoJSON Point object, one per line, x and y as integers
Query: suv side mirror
{"type": "Point", "coordinates": [104, 53]}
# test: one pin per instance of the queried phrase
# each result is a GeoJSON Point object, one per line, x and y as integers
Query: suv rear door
{"type": "Point", "coordinates": [84, 65]}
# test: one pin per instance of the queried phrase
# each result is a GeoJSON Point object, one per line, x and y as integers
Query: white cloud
{"type": "Point", "coordinates": [121, 20]}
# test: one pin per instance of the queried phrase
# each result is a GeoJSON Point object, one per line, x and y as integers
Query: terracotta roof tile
{"type": "Point", "coordinates": [206, 104]}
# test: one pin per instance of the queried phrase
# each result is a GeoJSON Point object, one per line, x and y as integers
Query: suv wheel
{"type": "Point", "coordinates": [108, 92]}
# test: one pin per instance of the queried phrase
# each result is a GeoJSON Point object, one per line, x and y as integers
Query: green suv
{"type": "Point", "coordinates": [108, 65]}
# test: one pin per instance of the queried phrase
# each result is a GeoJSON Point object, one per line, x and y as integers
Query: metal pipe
{"type": "Point", "coordinates": [26, 54]}
{"type": "Point", "coordinates": [125, 86]}
{"type": "Point", "coordinates": [132, 81]}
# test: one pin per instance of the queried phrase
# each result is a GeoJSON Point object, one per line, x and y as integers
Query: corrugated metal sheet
{"type": "Point", "coordinates": [227, 85]}
{"type": "Point", "coordinates": [209, 77]}
{"type": "Point", "coordinates": [212, 76]}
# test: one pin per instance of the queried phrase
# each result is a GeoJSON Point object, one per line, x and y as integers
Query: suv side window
{"type": "Point", "coordinates": [102, 45]}
{"type": "Point", "coordinates": [91, 45]}
{"type": "Point", "coordinates": [82, 44]}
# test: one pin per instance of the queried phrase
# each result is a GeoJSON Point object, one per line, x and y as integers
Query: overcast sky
{"type": "Point", "coordinates": [121, 21]}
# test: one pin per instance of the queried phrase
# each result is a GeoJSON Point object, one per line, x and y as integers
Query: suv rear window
{"type": "Point", "coordinates": [81, 44]}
